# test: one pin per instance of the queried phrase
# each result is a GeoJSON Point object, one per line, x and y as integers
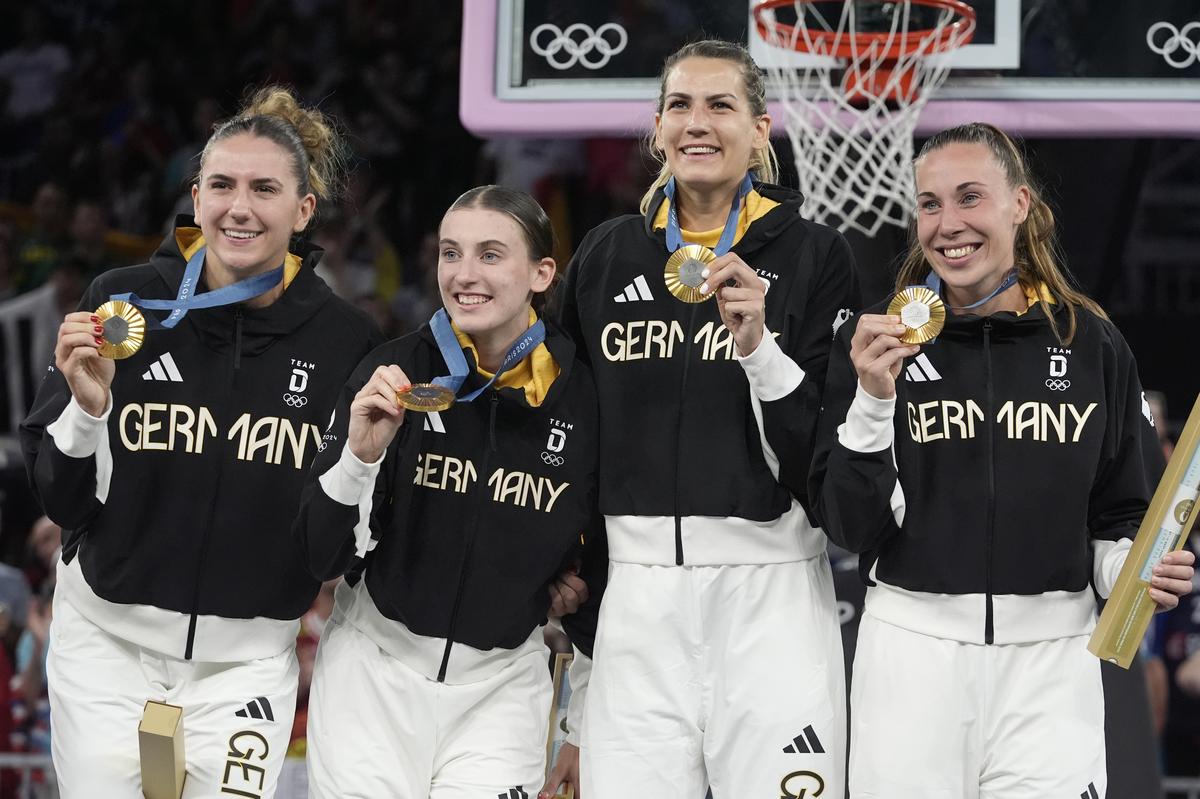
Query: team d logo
{"type": "Point", "coordinates": [801, 785]}
{"type": "Point", "coordinates": [297, 383]}
{"type": "Point", "coordinates": [556, 443]}
{"type": "Point", "coordinates": [1057, 381]}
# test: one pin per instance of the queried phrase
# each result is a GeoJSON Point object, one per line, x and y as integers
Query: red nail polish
{"type": "Point", "coordinates": [99, 341]}
{"type": "Point", "coordinates": [99, 329]}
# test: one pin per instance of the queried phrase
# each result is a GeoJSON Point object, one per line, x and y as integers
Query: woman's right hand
{"type": "Point", "coordinates": [375, 416]}
{"type": "Point", "coordinates": [878, 353]}
{"type": "Point", "coordinates": [89, 374]}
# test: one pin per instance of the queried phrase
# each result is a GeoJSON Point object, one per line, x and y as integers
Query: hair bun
{"type": "Point", "coordinates": [318, 134]}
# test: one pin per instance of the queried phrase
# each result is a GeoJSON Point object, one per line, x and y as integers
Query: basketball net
{"type": "Point", "coordinates": [850, 113]}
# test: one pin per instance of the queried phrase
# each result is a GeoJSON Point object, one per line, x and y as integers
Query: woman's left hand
{"type": "Point", "coordinates": [742, 304]}
{"type": "Point", "coordinates": [568, 592]}
{"type": "Point", "coordinates": [1172, 579]}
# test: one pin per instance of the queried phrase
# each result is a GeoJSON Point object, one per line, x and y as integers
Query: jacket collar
{"type": "Point", "coordinates": [303, 298]}
{"type": "Point", "coordinates": [757, 235]}
{"type": "Point", "coordinates": [561, 348]}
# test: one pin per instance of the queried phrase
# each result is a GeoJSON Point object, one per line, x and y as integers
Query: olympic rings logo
{"type": "Point", "coordinates": [1177, 39]}
{"type": "Point", "coordinates": [553, 460]}
{"type": "Point", "coordinates": [1057, 385]}
{"type": "Point", "coordinates": [295, 400]}
{"type": "Point", "coordinates": [578, 42]}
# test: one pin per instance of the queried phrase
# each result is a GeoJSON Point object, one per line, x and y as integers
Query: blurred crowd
{"type": "Point", "coordinates": [104, 107]}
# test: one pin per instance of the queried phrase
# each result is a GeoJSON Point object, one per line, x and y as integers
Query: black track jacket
{"type": "Point", "coordinates": [177, 507]}
{"type": "Point", "coordinates": [704, 455]}
{"type": "Point", "coordinates": [1010, 475]}
{"type": "Point", "coordinates": [469, 516]}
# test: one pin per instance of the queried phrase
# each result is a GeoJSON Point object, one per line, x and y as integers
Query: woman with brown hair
{"type": "Point", "coordinates": [993, 492]}
{"type": "Point", "coordinates": [431, 678]}
{"type": "Point", "coordinates": [176, 471]}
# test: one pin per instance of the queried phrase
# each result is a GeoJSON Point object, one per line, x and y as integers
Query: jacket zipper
{"type": "Point", "coordinates": [237, 365]}
{"type": "Point", "coordinates": [237, 338]}
{"type": "Point", "coordinates": [989, 631]}
{"type": "Point", "coordinates": [687, 360]}
{"type": "Point", "coordinates": [472, 532]}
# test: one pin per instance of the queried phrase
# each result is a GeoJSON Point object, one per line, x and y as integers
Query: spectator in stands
{"type": "Point", "coordinates": [184, 162]}
{"type": "Point", "coordinates": [43, 247]}
{"type": "Point", "coordinates": [30, 700]}
{"type": "Point", "coordinates": [89, 224]}
{"type": "Point", "coordinates": [1176, 651]}
{"type": "Point", "coordinates": [14, 604]}
{"type": "Point", "coordinates": [7, 265]}
{"type": "Point", "coordinates": [33, 70]}
{"type": "Point", "coordinates": [45, 547]}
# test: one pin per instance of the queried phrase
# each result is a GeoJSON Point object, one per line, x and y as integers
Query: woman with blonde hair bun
{"type": "Point", "coordinates": [175, 470]}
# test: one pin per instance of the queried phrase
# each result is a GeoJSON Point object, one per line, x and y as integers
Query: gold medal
{"type": "Point", "coordinates": [921, 311]}
{"type": "Point", "coordinates": [682, 274]}
{"type": "Point", "coordinates": [124, 329]}
{"type": "Point", "coordinates": [425, 397]}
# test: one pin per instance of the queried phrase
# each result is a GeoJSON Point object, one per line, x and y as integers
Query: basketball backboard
{"type": "Point", "coordinates": [1036, 67]}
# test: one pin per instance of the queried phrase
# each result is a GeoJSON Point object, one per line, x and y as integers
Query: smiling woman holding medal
{"type": "Point", "coordinates": [457, 480]}
{"type": "Point", "coordinates": [171, 440]}
{"type": "Point", "coordinates": [707, 320]}
{"type": "Point", "coordinates": [993, 490]}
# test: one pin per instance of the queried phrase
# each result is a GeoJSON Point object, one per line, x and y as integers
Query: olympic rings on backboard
{"type": "Point", "coordinates": [578, 50]}
{"type": "Point", "coordinates": [1177, 39]}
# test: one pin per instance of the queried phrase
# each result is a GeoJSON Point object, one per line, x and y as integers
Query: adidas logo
{"type": "Point", "coordinates": [433, 422]}
{"type": "Point", "coordinates": [1090, 793]}
{"type": "Point", "coordinates": [163, 369]}
{"type": "Point", "coordinates": [921, 370]}
{"type": "Point", "coordinates": [513, 793]}
{"type": "Point", "coordinates": [806, 743]}
{"type": "Point", "coordinates": [639, 289]}
{"type": "Point", "coordinates": [257, 708]}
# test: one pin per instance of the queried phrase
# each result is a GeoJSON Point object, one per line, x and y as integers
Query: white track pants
{"type": "Point", "coordinates": [379, 729]}
{"type": "Point", "coordinates": [933, 718]}
{"type": "Point", "coordinates": [729, 676]}
{"type": "Point", "coordinates": [99, 685]}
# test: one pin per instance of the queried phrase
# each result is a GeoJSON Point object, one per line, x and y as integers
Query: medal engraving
{"type": "Point", "coordinates": [921, 311]}
{"type": "Point", "coordinates": [124, 329]}
{"type": "Point", "coordinates": [425, 397]}
{"type": "Point", "coordinates": [684, 272]}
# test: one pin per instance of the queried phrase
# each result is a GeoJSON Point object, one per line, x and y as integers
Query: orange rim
{"type": "Point", "coordinates": [848, 44]}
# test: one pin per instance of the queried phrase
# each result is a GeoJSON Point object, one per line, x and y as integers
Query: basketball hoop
{"type": "Point", "coordinates": [852, 101]}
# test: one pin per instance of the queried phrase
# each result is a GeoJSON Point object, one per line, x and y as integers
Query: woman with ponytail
{"type": "Point", "coordinates": [993, 490]}
{"type": "Point", "coordinates": [718, 657]}
{"type": "Point", "coordinates": [176, 470]}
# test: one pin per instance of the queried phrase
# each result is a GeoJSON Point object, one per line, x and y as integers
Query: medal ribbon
{"type": "Point", "coordinates": [457, 362]}
{"type": "Point", "coordinates": [934, 284]}
{"type": "Point", "coordinates": [725, 243]}
{"type": "Point", "coordinates": [187, 300]}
